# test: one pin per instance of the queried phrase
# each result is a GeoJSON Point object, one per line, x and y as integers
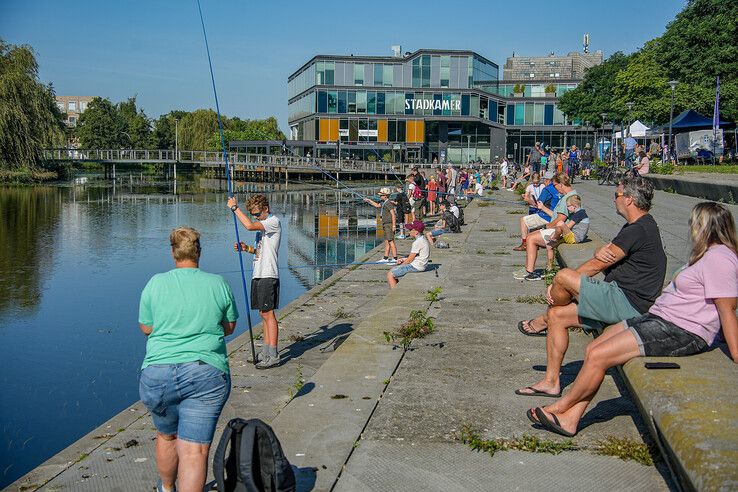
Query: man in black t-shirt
{"type": "Point", "coordinates": [634, 265]}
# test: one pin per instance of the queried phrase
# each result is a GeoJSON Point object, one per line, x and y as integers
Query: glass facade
{"type": "Point", "coordinates": [441, 104]}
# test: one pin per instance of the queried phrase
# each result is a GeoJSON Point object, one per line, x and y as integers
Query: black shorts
{"type": "Point", "coordinates": [661, 338]}
{"type": "Point", "coordinates": [265, 294]}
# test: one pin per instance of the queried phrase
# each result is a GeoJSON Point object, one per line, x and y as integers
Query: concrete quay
{"type": "Point", "coordinates": [355, 412]}
{"type": "Point", "coordinates": [707, 186]}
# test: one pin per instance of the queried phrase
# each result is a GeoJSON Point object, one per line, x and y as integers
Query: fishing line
{"type": "Point", "coordinates": [327, 265]}
{"type": "Point", "coordinates": [230, 185]}
{"type": "Point", "coordinates": [348, 190]}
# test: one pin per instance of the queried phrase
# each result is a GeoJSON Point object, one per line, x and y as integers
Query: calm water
{"type": "Point", "coordinates": [73, 261]}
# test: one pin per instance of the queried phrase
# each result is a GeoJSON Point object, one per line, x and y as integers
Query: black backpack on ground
{"type": "Point", "coordinates": [452, 223]}
{"type": "Point", "coordinates": [255, 461]}
{"type": "Point", "coordinates": [461, 215]}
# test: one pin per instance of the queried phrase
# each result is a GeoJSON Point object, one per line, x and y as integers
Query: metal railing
{"type": "Point", "coordinates": [213, 159]}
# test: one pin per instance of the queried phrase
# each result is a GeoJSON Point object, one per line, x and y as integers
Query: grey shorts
{"type": "Point", "coordinates": [658, 337]}
{"type": "Point", "coordinates": [602, 304]}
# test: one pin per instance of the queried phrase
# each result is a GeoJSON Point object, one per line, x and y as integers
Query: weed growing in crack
{"type": "Point", "coordinates": [298, 384]}
{"type": "Point", "coordinates": [418, 326]}
{"type": "Point", "coordinates": [628, 449]}
{"type": "Point", "coordinates": [341, 314]}
{"type": "Point", "coordinates": [531, 300]}
{"type": "Point", "coordinates": [432, 295]}
{"type": "Point", "coordinates": [531, 444]}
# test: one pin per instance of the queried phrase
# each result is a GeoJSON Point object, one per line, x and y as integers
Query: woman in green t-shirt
{"type": "Point", "coordinates": [185, 380]}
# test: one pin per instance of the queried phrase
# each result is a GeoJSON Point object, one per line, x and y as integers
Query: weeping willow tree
{"type": "Point", "coordinates": [29, 118]}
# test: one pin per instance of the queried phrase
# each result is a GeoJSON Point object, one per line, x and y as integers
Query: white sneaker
{"type": "Point", "coordinates": [520, 274]}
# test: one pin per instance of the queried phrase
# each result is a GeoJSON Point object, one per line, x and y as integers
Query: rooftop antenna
{"type": "Point", "coordinates": [585, 42]}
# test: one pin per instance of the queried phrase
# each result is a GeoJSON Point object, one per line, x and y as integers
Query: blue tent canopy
{"type": "Point", "coordinates": [691, 120]}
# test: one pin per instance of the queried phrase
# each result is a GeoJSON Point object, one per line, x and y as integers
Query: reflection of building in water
{"type": "Point", "coordinates": [330, 236]}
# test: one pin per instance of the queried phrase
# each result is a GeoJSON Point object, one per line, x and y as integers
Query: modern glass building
{"type": "Point", "coordinates": [429, 105]}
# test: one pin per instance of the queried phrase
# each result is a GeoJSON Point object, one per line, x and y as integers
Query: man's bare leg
{"type": "Point", "coordinates": [560, 318]}
{"type": "Point", "coordinates": [618, 346]}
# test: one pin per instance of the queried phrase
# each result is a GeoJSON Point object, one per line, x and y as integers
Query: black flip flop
{"type": "Point", "coordinates": [536, 392]}
{"type": "Point", "coordinates": [554, 426]}
{"type": "Point", "coordinates": [541, 333]}
{"type": "Point", "coordinates": [529, 414]}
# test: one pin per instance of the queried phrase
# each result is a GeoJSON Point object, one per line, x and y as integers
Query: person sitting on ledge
{"type": "Point", "coordinates": [540, 209]}
{"type": "Point", "coordinates": [634, 264]}
{"type": "Point", "coordinates": [684, 320]}
{"type": "Point", "coordinates": [417, 260]}
{"type": "Point", "coordinates": [447, 223]}
{"type": "Point", "coordinates": [533, 242]}
{"type": "Point", "coordinates": [572, 231]}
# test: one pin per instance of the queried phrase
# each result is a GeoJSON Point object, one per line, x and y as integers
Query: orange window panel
{"type": "Point", "coordinates": [420, 131]}
{"type": "Point", "coordinates": [381, 130]}
{"type": "Point", "coordinates": [324, 133]}
{"type": "Point", "coordinates": [410, 131]}
{"type": "Point", "coordinates": [333, 131]}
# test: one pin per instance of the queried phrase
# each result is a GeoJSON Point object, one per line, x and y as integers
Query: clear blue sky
{"type": "Point", "coordinates": [154, 49]}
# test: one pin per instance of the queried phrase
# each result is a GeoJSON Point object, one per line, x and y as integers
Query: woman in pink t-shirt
{"type": "Point", "coordinates": [685, 319]}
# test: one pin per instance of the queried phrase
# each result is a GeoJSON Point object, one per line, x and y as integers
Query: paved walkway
{"type": "Point", "coordinates": [403, 434]}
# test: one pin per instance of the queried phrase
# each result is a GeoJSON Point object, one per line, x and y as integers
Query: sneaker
{"type": "Point", "coordinates": [533, 276]}
{"type": "Point", "coordinates": [520, 274]}
{"type": "Point", "coordinates": [269, 361]}
{"type": "Point", "coordinates": [383, 260]}
{"type": "Point", "coordinates": [259, 358]}
{"type": "Point", "coordinates": [160, 487]}
{"type": "Point", "coordinates": [520, 247]}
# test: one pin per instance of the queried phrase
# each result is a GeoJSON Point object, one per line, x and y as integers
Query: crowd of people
{"type": "Point", "coordinates": [186, 313]}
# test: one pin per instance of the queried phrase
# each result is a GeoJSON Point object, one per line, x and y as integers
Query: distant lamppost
{"type": "Point", "coordinates": [672, 84]}
{"type": "Point", "coordinates": [468, 148]}
{"type": "Point", "coordinates": [176, 139]}
{"type": "Point", "coordinates": [602, 150]}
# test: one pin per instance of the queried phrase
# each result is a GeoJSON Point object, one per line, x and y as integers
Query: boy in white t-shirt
{"type": "Point", "coordinates": [417, 260]}
{"type": "Point", "coordinates": [503, 173]}
{"type": "Point", "coordinates": [265, 281]}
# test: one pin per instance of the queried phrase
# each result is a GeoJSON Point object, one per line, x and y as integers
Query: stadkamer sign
{"type": "Point", "coordinates": [427, 104]}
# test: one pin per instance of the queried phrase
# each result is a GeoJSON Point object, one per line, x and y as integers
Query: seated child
{"type": "Point", "coordinates": [572, 231]}
{"type": "Point", "coordinates": [417, 260]}
{"type": "Point", "coordinates": [447, 223]}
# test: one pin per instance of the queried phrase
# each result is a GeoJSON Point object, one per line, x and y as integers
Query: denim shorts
{"type": "Point", "coordinates": [185, 399]}
{"type": "Point", "coordinates": [602, 303]}
{"type": "Point", "coordinates": [438, 232]}
{"type": "Point", "coordinates": [402, 270]}
{"type": "Point", "coordinates": [658, 337]}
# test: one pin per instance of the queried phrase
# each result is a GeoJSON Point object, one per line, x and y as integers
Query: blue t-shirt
{"type": "Point", "coordinates": [550, 197]}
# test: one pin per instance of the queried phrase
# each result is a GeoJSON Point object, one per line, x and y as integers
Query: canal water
{"type": "Point", "coordinates": [74, 258]}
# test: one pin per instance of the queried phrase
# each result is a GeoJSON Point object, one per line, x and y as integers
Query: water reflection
{"type": "Point", "coordinates": [27, 221]}
{"type": "Point", "coordinates": [73, 261]}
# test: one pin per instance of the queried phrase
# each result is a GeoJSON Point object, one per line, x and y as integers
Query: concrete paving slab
{"type": "Point", "coordinates": [433, 466]}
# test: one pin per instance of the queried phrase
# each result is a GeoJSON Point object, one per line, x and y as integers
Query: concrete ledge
{"type": "Point", "coordinates": [699, 187]}
{"type": "Point", "coordinates": [347, 388]}
{"type": "Point", "coordinates": [691, 412]}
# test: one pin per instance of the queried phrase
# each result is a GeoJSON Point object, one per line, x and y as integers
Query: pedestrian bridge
{"type": "Point", "coordinates": [239, 162]}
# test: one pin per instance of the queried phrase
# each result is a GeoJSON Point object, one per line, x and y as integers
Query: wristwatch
{"type": "Point", "coordinates": [234, 208]}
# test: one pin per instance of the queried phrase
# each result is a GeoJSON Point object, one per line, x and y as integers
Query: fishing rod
{"type": "Point", "coordinates": [229, 179]}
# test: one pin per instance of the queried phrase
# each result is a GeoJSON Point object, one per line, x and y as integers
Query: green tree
{"type": "Point", "coordinates": [101, 126]}
{"type": "Point", "coordinates": [699, 44]}
{"type": "Point", "coordinates": [238, 129]}
{"type": "Point", "coordinates": [138, 125]}
{"type": "Point", "coordinates": [196, 128]}
{"type": "Point", "coordinates": [29, 118]}
{"type": "Point", "coordinates": [164, 129]}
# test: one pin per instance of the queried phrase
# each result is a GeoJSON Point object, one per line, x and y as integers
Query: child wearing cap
{"type": "Point", "coordinates": [387, 218]}
{"type": "Point", "coordinates": [417, 260]}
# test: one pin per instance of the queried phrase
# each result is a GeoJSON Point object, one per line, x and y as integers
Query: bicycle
{"type": "Point", "coordinates": [610, 174]}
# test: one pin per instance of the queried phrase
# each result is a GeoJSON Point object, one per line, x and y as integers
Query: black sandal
{"type": "Point", "coordinates": [541, 333]}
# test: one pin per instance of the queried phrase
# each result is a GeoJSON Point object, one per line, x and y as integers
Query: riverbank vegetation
{"type": "Point", "coordinates": [29, 118]}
